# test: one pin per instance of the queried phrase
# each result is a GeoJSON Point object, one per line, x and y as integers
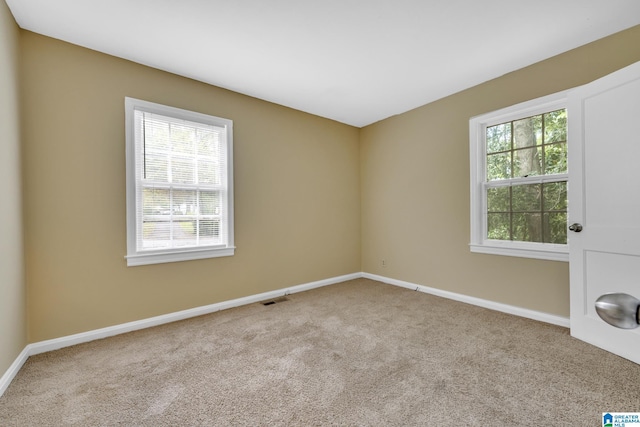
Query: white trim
{"type": "Point", "coordinates": [549, 255]}
{"type": "Point", "coordinates": [136, 256]}
{"type": "Point", "coordinates": [477, 164]}
{"type": "Point", "coordinates": [13, 370]}
{"type": "Point", "coordinates": [83, 337]}
{"type": "Point", "coordinates": [176, 256]}
{"type": "Point", "coordinates": [492, 305]}
{"type": "Point", "coordinates": [532, 107]}
{"type": "Point", "coordinates": [57, 343]}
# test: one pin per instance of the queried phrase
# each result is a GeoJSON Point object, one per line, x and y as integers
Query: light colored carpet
{"type": "Point", "coordinates": [355, 353]}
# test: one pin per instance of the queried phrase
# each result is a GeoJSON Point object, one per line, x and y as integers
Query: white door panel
{"type": "Point", "coordinates": [612, 156]}
{"type": "Point", "coordinates": [606, 270]}
{"type": "Point", "coordinates": [604, 196]}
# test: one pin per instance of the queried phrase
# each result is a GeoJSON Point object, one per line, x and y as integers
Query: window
{"type": "Point", "coordinates": [179, 184]}
{"type": "Point", "coordinates": [519, 178]}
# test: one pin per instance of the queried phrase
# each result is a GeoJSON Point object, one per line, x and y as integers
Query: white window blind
{"type": "Point", "coordinates": [181, 186]}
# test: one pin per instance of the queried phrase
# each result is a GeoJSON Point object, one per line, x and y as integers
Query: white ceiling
{"type": "Point", "coordinates": [354, 61]}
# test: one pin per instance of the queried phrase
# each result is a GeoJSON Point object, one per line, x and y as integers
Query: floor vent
{"type": "Point", "coordinates": [275, 300]}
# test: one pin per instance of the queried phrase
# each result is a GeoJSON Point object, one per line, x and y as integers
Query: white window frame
{"type": "Point", "coordinates": [478, 158]}
{"type": "Point", "coordinates": [136, 256]}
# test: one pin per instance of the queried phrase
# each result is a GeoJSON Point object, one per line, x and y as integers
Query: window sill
{"type": "Point", "coordinates": [553, 253]}
{"type": "Point", "coordinates": [176, 256]}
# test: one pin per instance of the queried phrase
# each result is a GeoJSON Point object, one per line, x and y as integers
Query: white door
{"type": "Point", "coordinates": [604, 195]}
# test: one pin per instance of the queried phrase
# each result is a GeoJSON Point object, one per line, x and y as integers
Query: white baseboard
{"type": "Point", "coordinates": [8, 376]}
{"type": "Point", "coordinates": [505, 308]}
{"type": "Point", "coordinates": [57, 343]}
{"type": "Point", "coordinates": [67, 341]}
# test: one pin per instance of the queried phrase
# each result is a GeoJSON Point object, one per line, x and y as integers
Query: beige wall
{"type": "Point", "coordinates": [13, 331]}
{"type": "Point", "coordinates": [314, 198]}
{"type": "Point", "coordinates": [415, 185]}
{"type": "Point", "coordinates": [297, 210]}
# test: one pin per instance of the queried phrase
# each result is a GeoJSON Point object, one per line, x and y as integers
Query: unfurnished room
{"type": "Point", "coordinates": [290, 213]}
